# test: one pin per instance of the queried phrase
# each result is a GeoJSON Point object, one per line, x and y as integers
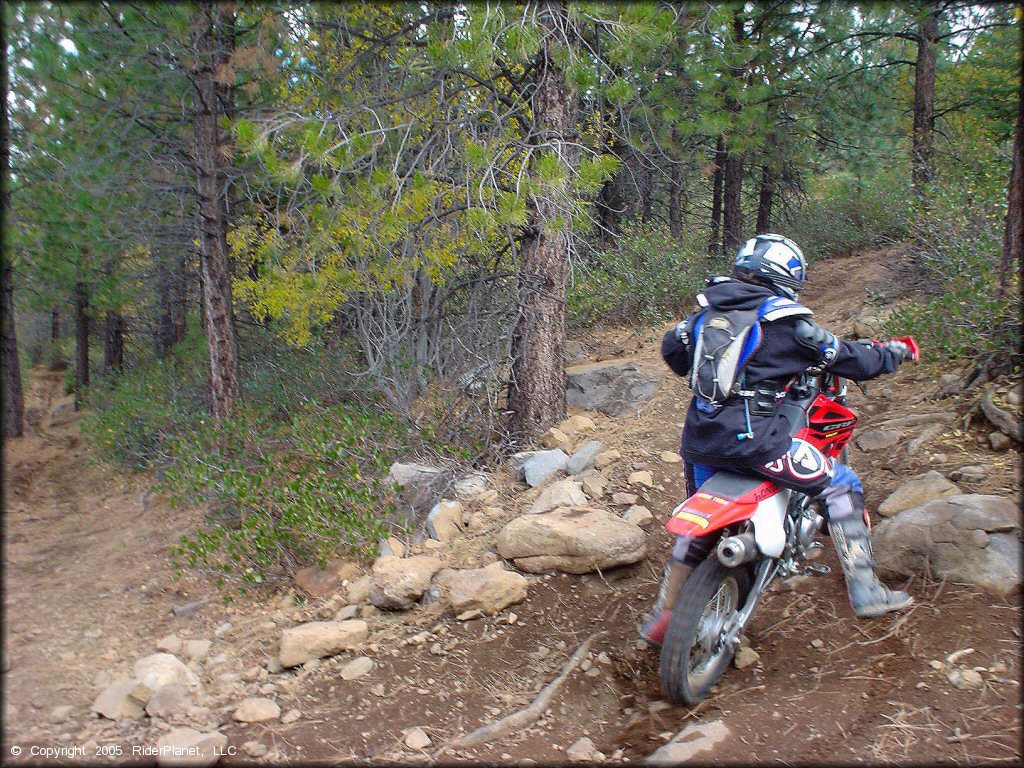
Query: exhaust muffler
{"type": "Point", "coordinates": [737, 550]}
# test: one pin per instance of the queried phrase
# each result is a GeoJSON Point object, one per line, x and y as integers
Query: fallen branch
{"type": "Point", "coordinates": [519, 720]}
{"type": "Point", "coordinates": [916, 419]}
{"type": "Point", "coordinates": [1000, 419]}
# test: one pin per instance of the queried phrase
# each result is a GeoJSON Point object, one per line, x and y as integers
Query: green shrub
{"type": "Point", "coordinates": [648, 277]}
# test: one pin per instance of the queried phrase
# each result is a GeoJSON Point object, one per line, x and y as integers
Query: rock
{"type": "Point", "coordinates": [999, 441]}
{"type": "Point", "coordinates": [938, 535]}
{"type": "Point", "coordinates": [556, 438]}
{"type": "Point", "coordinates": [594, 484]}
{"type": "Point", "coordinates": [255, 748]}
{"type": "Point", "coordinates": [488, 590]}
{"type": "Point", "coordinates": [584, 458]}
{"type": "Point", "coordinates": [359, 590]}
{"type": "Point", "coordinates": [484, 518]}
{"type": "Point", "coordinates": [583, 751]}
{"type": "Point", "coordinates": [346, 613]}
{"type": "Point", "coordinates": [575, 351]}
{"type": "Point", "coordinates": [124, 698]}
{"type": "Point", "coordinates": [693, 740]}
{"type": "Point", "coordinates": [345, 570]}
{"type": "Point", "coordinates": [638, 515]}
{"type": "Point", "coordinates": [187, 746]}
{"type": "Point", "coordinates": [745, 657]}
{"type": "Point", "coordinates": [625, 498]}
{"type": "Point", "coordinates": [316, 582]}
{"type": "Point", "coordinates": [878, 439]}
{"type": "Point", "coordinates": [170, 700]}
{"type": "Point", "coordinates": [564, 493]}
{"type": "Point", "coordinates": [471, 484]}
{"type": "Point", "coordinates": [605, 458]}
{"type": "Point", "coordinates": [397, 584]}
{"type": "Point", "coordinates": [913, 493]}
{"type": "Point", "coordinates": [390, 547]}
{"type": "Point", "coordinates": [421, 486]}
{"type": "Point", "coordinates": [60, 713]}
{"type": "Point", "coordinates": [318, 639]}
{"type": "Point", "coordinates": [195, 650]}
{"type": "Point", "coordinates": [614, 387]}
{"type": "Point", "coordinates": [444, 521]}
{"type": "Point", "coordinates": [257, 710]}
{"type": "Point", "coordinates": [641, 478]}
{"type": "Point", "coordinates": [357, 668]}
{"type": "Point", "coordinates": [965, 678]}
{"type": "Point", "coordinates": [415, 738]}
{"type": "Point", "coordinates": [162, 669]}
{"type": "Point", "coordinates": [576, 424]}
{"type": "Point", "coordinates": [539, 466]}
{"type": "Point", "coordinates": [169, 644]}
{"type": "Point", "coordinates": [972, 473]}
{"type": "Point", "coordinates": [670, 457]}
{"type": "Point", "coordinates": [291, 716]}
{"type": "Point", "coordinates": [949, 378]}
{"type": "Point", "coordinates": [573, 540]}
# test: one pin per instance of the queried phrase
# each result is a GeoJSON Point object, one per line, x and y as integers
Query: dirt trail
{"type": "Point", "coordinates": [88, 588]}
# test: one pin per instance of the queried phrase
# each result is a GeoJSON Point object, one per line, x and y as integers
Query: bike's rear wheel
{"type": "Point", "coordinates": [693, 655]}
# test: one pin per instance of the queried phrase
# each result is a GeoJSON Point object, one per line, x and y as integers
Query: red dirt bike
{"type": "Point", "coordinates": [763, 532]}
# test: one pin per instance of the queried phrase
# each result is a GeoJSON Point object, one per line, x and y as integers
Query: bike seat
{"type": "Point", "coordinates": [731, 485]}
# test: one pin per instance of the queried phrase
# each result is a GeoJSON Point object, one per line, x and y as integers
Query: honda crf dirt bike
{"type": "Point", "coordinates": [763, 532]}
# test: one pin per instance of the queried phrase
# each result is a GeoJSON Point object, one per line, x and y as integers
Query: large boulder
{"type": "Point", "coordinates": [564, 493]}
{"type": "Point", "coordinates": [574, 540]}
{"type": "Point", "coordinates": [917, 491]}
{"type": "Point", "coordinates": [614, 387]}
{"type": "Point", "coordinates": [317, 639]}
{"type": "Point", "coordinates": [396, 583]}
{"type": "Point", "coordinates": [421, 486]}
{"type": "Point", "coordinates": [536, 467]}
{"type": "Point", "coordinates": [968, 538]}
{"type": "Point", "coordinates": [124, 698]}
{"type": "Point", "coordinates": [444, 521]}
{"type": "Point", "coordinates": [488, 589]}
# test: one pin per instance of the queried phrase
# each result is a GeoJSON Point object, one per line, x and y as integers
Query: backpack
{"type": "Point", "coordinates": [723, 344]}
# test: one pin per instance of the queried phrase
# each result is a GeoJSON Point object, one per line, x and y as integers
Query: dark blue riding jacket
{"type": "Point", "coordinates": [711, 438]}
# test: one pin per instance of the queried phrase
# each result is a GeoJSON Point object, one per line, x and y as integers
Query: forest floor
{"type": "Point", "coordinates": [89, 588]}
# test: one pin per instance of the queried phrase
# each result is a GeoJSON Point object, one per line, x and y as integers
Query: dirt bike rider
{"type": "Point", "coordinates": [746, 432]}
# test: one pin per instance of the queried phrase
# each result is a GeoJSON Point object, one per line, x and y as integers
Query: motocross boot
{"type": "Point", "coordinates": [676, 574]}
{"type": "Point", "coordinates": [868, 596]}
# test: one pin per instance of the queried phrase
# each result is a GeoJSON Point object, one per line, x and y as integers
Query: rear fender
{"type": "Point", "coordinates": [769, 523]}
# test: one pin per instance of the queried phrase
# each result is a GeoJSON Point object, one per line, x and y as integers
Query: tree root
{"type": "Point", "coordinates": [1000, 419]}
{"type": "Point", "coordinates": [519, 720]}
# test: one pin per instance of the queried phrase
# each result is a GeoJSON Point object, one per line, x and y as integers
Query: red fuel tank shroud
{"type": "Point", "coordinates": [705, 513]}
{"type": "Point", "coordinates": [829, 426]}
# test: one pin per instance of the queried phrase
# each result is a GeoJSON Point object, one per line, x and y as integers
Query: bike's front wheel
{"type": "Point", "coordinates": [695, 652]}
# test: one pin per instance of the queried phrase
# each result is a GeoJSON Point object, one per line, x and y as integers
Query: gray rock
{"type": "Point", "coordinates": [257, 710]}
{"type": "Point", "coordinates": [416, 738]}
{"type": "Point", "coordinates": [564, 493]}
{"type": "Point", "coordinates": [972, 473]}
{"type": "Point", "coordinates": [291, 716]}
{"type": "Point", "coordinates": [255, 748]}
{"type": "Point", "coordinates": [999, 441]}
{"type": "Point", "coordinates": [917, 491]}
{"type": "Point", "coordinates": [745, 657]}
{"type": "Point", "coordinates": [317, 639]}
{"type": "Point", "coordinates": [170, 700]}
{"type": "Point", "coordinates": [187, 746]}
{"type": "Point", "coordinates": [584, 458]}
{"type": "Point", "coordinates": [945, 537]}
{"type": "Point", "coordinates": [357, 668]}
{"type": "Point", "coordinates": [539, 466]}
{"type": "Point", "coordinates": [573, 540]}
{"type": "Point", "coordinates": [397, 584]}
{"type": "Point", "coordinates": [638, 515]}
{"type": "Point", "coordinates": [575, 351]}
{"type": "Point", "coordinates": [471, 484]}
{"type": "Point", "coordinates": [122, 699]}
{"type": "Point", "coordinates": [195, 650]}
{"type": "Point", "coordinates": [693, 740]}
{"type": "Point", "coordinates": [422, 486]}
{"type": "Point", "coordinates": [61, 713]}
{"type": "Point", "coordinates": [583, 751]}
{"type": "Point", "coordinates": [614, 387]}
{"type": "Point", "coordinates": [444, 521]}
{"type": "Point", "coordinates": [169, 644]}
{"type": "Point", "coordinates": [489, 589]}
{"type": "Point", "coordinates": [162, 669]}
{"type": "Point", "coordinates": [878, 439]}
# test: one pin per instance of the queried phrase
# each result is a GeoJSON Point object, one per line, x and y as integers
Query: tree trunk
{"type": "Point", "coordinates": [716, 197]}
{"type": "Point", "coordinates": [171, 305]}
{"type": "Point", "coordinates": [212, 55]}
{"type": "Point", "coordinates": [54, 325]}
{"type": "Point", "coordinates": [765, 198]}
{"type": "Point", "coordinates": [81, 342]}
{"type": "Point", "coordinates": [537, 392]}
{"type": "Point", "coordinates": [113, 342]}
{"type": "Point", "coordinates": [646, 180]}
{"type": "Point", "coordinates": [1013, 235]}
{"type": "Point", "coordinates": [14, 400]}
{"type": "Point", "coordinates": [675, 190]}
{"type": "Point", "coordinates": [924, 102]}
{"type": "Point", "coordinates": [732, 214]}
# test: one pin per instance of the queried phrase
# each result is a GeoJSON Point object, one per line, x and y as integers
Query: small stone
{"type": "Point", "coordinates": [255, 748]}
{"type": "Point", "coordinates": [357, 668]}
{"type": "Point", "coordinates": [169, 700]}
{"type": "Point", "coordinates": [935, 664]}
{"type": "Point", "coordinates": [60, 713]}
{"type": "Point", "coordinates": [195, 649]}
{"type": "Point", "coordinates": [625, 498]}
{"type": "Point", "coordinates": [359, 590]}
{"type": "Point", "coordinates": [642, 478]}
{"type": "Point", "coordinates": [257, 710]}
{"type": "Point", "coordinates": [583, 751]}
{"type": "Point", "coordinates": [556, 438]}
{"type": "Point", "coordinates": [346, 613]}
{"type": "Point", "coordinates": [416, 738]}
{"type": "Point", "coordinates": [638, 515]}
{"type": "Point", "coordinates": [222, 630]}
{"type": "Point", "coordinates": [605, 458]}
{"type": "Point", "coordinates": [187, 746]}
{"type": "Point", "coordinates": [476, 613]}
{"type": "Point", "coordinates": [291, 716]}
{"type": "Point", "coordinates": [999, 441]}
{"type": "Point", "coordinates": [816, 643]}
{"type": "Point", "coordinates": [315, 581]}
{"type": "Point", "coordinates": [965, 678]}
{"type": "Point", "coordinates": [169, 644]}
{"type": "Point", "coordinates": [123, 699]}
{"type": "Point", "coordinates": [745, 657]}
{"type": "Point", "coordinates": [378, 690]}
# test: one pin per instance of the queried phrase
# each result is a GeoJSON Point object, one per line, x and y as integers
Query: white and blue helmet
{"type": "Point", "coordinates": [774, 259]}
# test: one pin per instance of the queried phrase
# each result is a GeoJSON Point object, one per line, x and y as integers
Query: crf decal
{"type": "Point", "coordinates": [804, 462]}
